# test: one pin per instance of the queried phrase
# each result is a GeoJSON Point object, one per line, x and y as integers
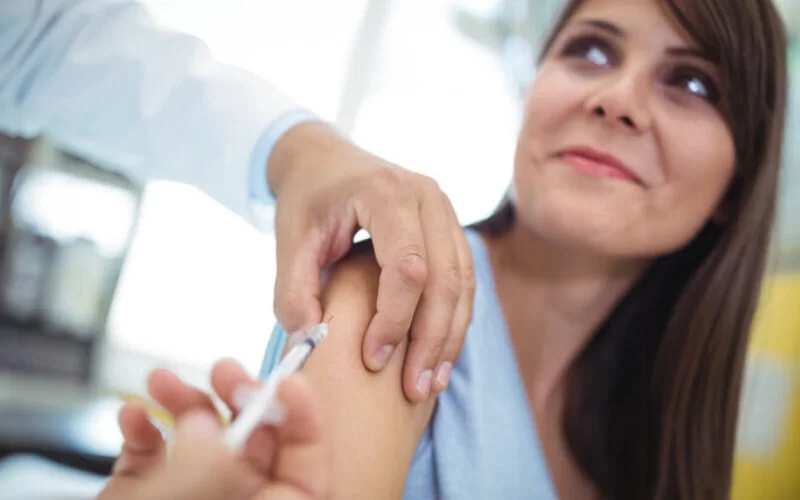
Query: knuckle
{"type": "Point", "coordinates": [412, 267]}
{"type": "Point", "coordinates": [428, 346]}
{"type": "Point", "coordinates": [451, 284]}
{"type": "Point", "coordinates": [430, 183]}
{"type": "Point", "coordinates": [469, 282]}
{"type": "Point", "coordinates": [391, 179]}
{"type": "Point", "coordinates": [391, 327]}
{"type": "Point", "coordinates": [435, 344]}
{"type": "Point", "coordinates": [395, 328]}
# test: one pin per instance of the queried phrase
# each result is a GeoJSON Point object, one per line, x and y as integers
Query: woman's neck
{"type": "Point", "coordinates": [554, 298]}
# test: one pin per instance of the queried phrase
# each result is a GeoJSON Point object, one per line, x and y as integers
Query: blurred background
{"type": "Point", "coordinates": [176, 280]}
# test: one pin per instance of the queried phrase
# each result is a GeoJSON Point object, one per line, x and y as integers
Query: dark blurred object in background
{"type": "Point", "coordinates": [65, 229]}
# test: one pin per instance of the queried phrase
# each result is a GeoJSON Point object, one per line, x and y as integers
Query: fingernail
{"type": "Point", "coordinates": [275, 414]}
{"type": "Point", "coordinates": [296, 337]}
{"type": "Point", "coordinates": [242, 396]}
{"type": "Point", "coordinates": [443, 373]}
{"type": "Point", "coordinates": [382, 355]}
{"type": "Point", "coordinates": [293, 339]}
{"type": "Point", "coordinates": [424, 383]}
{"type": "Point", "coordinates": [200, 425]}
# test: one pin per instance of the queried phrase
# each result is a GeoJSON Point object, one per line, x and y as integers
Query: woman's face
{"type": "Point", "coordinates": [623, 150]}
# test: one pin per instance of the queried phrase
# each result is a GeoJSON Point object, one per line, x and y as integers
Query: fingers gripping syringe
{"type": "Point", "coordinates": [264, 397]}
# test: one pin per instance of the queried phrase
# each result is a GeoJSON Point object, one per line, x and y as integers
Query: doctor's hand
{"type": "Point", "coordinates": [286, 462]}
{"type": "Point", "coordinates": [326, 191]}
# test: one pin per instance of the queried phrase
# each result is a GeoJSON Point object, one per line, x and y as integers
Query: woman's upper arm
{"type": "Point", "coordinates": [372, 429]}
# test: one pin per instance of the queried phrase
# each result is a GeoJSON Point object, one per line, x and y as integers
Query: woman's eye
{"type": "Point", "coordinates": [594, 50]}
{"type": "Point", "coordinates": [597, 56]}
{"type": "Point", "coordinates": [696, 84]}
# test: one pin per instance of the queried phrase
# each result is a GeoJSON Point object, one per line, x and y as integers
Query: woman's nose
{"type": "Point", "coordinates": [622, 100]}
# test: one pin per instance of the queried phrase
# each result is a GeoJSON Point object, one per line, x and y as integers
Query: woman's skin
{"type": "Point", "coordinates": [625, 80]}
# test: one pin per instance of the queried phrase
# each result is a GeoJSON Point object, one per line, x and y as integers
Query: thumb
{"type": "Point", "coordinates": [199, 465]}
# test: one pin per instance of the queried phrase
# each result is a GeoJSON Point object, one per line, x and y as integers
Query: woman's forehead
{"type": "Point", "coordinates": [651, 20]}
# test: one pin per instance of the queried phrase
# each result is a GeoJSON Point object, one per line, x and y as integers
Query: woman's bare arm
{"type": "Point", "coordinates": [372, 429]}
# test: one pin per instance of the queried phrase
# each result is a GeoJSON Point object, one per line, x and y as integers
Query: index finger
{"type": "Point", "coordinates": [297, 281]}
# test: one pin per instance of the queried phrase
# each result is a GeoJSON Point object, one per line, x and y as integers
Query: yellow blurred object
{"type": "Point", "coordinates": [161, 417]}
{"type": "Point", "coordinates": [767, 462]}
{"type": "Point", "coordinates": [157, 414]}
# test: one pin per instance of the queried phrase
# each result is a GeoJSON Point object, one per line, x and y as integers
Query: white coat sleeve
{"type": "Point", "coordinates": [103, 81]}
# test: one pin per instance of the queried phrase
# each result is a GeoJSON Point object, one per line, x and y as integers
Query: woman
{"type": "Point", "coordinates": [616, 288]}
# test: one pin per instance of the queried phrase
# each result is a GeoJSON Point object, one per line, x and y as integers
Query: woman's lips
{"type": "Point", "coordinates": [598, 163]}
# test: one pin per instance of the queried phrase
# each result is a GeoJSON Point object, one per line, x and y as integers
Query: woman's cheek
{"type": "Point", "coordinates": [702, 163]}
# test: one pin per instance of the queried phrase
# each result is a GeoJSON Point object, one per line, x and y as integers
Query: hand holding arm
{"type": "Point", "coordinates": [327, 189]}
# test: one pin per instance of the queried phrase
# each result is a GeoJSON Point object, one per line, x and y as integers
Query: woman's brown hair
{"type": "Point", "coordinates": [652, 402]}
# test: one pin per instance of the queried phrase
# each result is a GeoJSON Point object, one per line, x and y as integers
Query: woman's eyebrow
{"type": "Point", "coordinates": [692, 52]}
{"type": "Point", "coordinates": [606, 26]}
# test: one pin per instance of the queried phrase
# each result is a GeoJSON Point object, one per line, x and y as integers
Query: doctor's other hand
{"type": "Point", "coordinates": [326, 191]}
{"type": "Point", "coordinates": [292, 462]}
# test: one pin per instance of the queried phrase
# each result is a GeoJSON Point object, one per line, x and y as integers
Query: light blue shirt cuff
{"type": "Point", "coordinates": [260, 192]}
{"type": "Point", "coordinates": [274, 352]}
